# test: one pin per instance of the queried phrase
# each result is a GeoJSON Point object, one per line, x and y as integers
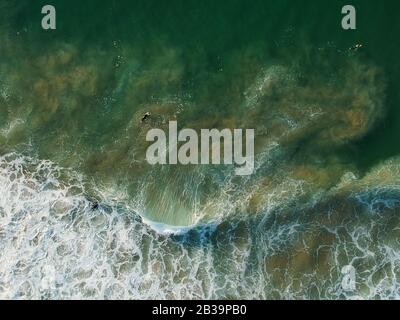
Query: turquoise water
{"type": "Point", "coordinates": [83, 215]}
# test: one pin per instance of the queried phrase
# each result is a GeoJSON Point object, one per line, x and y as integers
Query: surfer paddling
{"type": "Point", "coordinates": [356, 47]}
{"type": "Point", "coordinates": [93, 203]}
{"type": "Point", "coordinates": [145, 116]}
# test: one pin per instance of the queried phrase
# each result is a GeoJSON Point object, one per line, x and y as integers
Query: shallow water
{"type": "Point", "coordinates": [82, 214]}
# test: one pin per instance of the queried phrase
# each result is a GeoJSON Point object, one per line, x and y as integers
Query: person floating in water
{"type": "Point", "coordinates": [356, 47]}
{"type": "Point", "coordinates": [93, 203]}
{"type": "Point", "coordinates": [145, 116]}
{"type": "Point", "coordinates": [94, 206]}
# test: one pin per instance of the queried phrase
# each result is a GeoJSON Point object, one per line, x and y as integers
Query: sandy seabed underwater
{"type": "Point", "coordinates": [82, 214]}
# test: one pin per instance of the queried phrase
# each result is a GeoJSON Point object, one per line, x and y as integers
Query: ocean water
{"type": "Point", "coordinates": [83, 215]}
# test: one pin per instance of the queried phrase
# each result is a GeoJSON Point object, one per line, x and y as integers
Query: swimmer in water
{"type": "Point", "coordinates": [356, 47]}
{"type": "Point", "coordinates": [145, 116]}
{"type": "Point", "coordinates": [94, 204]}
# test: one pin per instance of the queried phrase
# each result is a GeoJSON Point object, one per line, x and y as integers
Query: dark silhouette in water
{"type": "Point", "coordinates": [356, 47]}
{"type": "Point", "coordinates": [94, 204]}
{"type": "Point", "coordinates": [145, 116]}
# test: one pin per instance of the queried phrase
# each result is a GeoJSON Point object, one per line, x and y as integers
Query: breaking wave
{"type": "Point", "coordinates": [56, 242]}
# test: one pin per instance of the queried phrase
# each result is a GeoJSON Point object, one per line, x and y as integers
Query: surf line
{"type": "Point", "coordinates": [196, 150]}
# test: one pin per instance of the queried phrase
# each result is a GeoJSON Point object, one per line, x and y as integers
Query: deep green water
{"type": "Point", "coordinates": [77, 193]}
{"type": "Point", "coordinates": [208, 34]}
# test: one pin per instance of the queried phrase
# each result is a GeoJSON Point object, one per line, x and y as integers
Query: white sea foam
{"type": "Point", "coordinates": [55, 244]}
{"type": "Point", "coordinates": [166, 229]}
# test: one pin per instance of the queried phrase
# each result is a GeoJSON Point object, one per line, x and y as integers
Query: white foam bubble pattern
{"type": "Point", "coordinates": [56, 243]}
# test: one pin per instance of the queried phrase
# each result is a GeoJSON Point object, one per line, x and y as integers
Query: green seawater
{"type": "Point", "coordinates": [75, 183]}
